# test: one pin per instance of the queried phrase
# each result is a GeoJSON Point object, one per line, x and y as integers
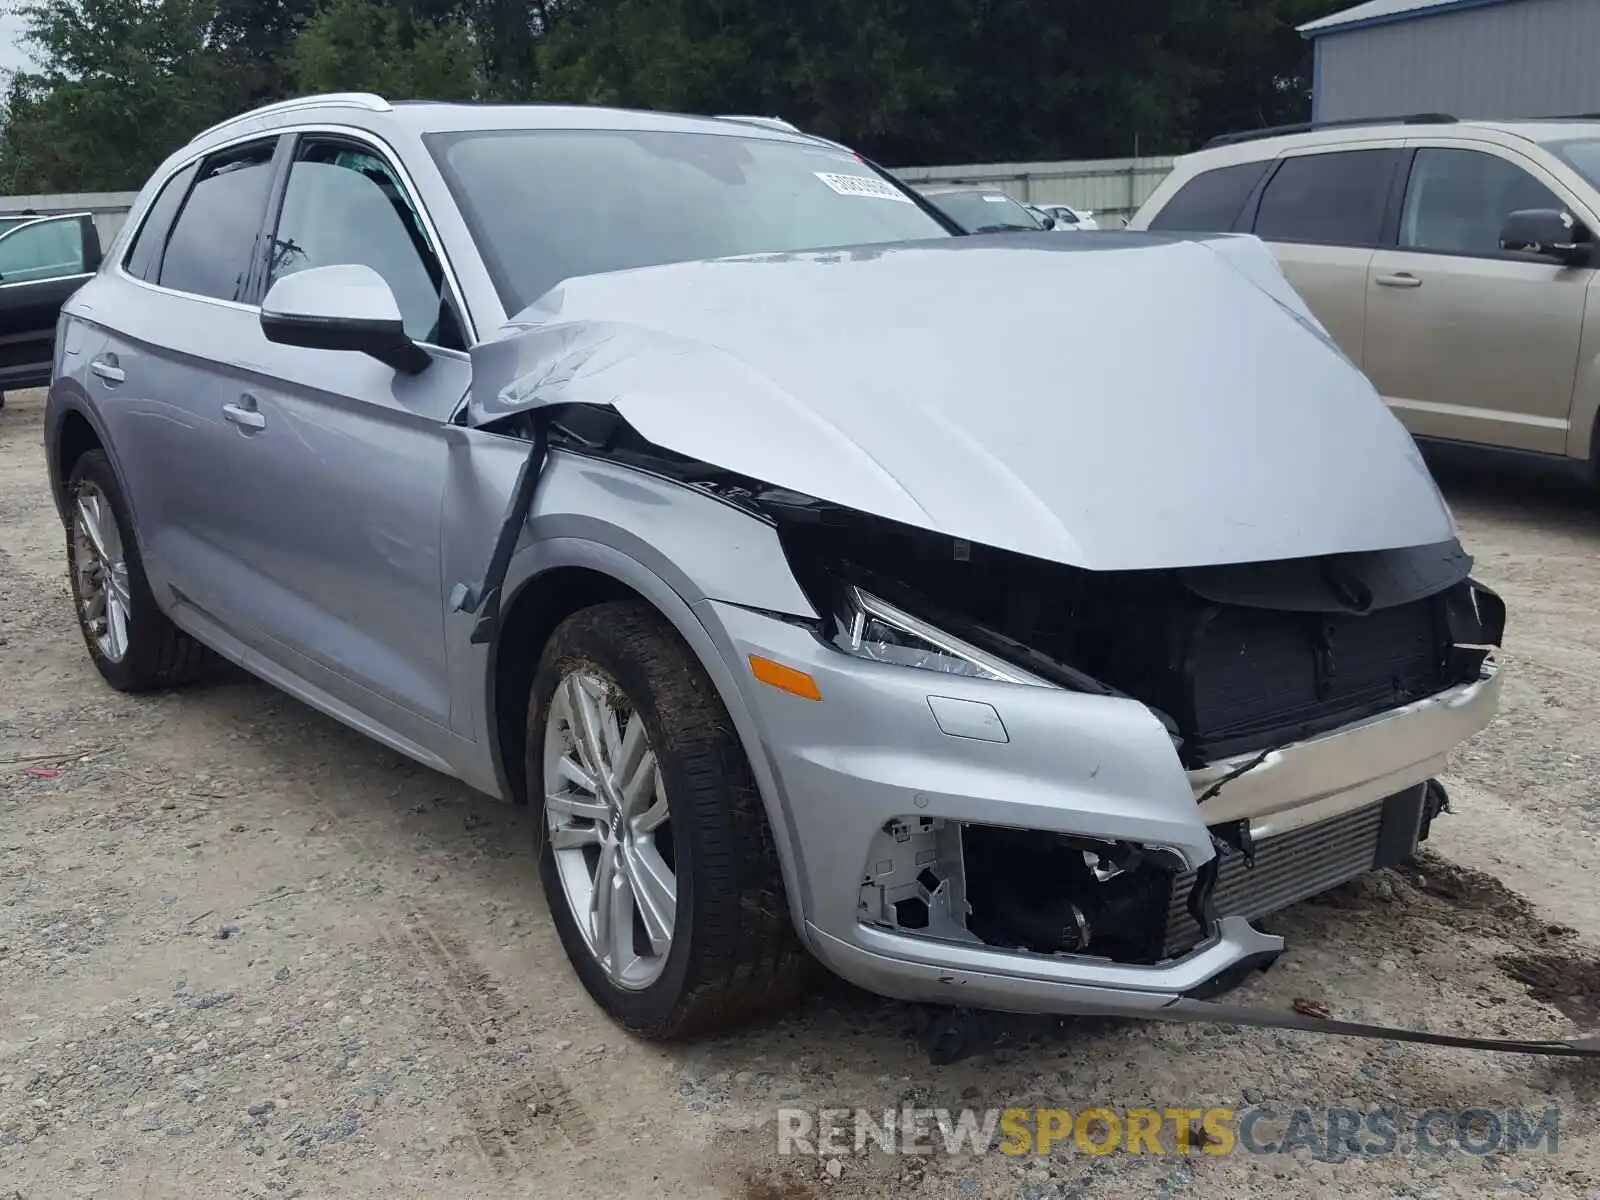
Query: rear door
{"type": "Point", "coordinates": [1323, 213]}
{"type": "Point", "coordinates": [42, 262]}
{"type": "Point", "coordinates": [1465, 341]}
{"type": "Point", "coordinates": [182, 341]}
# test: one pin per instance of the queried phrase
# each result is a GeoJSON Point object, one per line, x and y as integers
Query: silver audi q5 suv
{"type": "Point", "coordinates": [695, 482]}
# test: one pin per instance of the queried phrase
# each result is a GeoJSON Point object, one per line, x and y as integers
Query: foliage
{"type": "Point", "coordinates": [121, 83]}
{"type": "Point", "coordinates": [362, 45]}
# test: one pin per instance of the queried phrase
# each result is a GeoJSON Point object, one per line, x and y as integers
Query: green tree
{"type": "Point", "coordinates": [909, 81]}
{"type": "Point", "coordinates": [1253, 69]}
{"type": "Point", "coordinates": [120, 84]}
{"type": "Point", "coordinates": [363, 45]}
{"type": "Point", "coordinates": [253, 39]}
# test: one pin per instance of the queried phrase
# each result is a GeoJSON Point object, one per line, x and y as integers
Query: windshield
{"type": "Point", "coordinates": [1583, 156]}
{"type": "Point", "coordinates": [548, 205]}
{"type": "Point", "coordinates": [979, 211]}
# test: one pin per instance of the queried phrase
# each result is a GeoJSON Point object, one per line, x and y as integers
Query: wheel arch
{"type": "Point", "coordinates": [572, 574]}
{"type": "Point", "coordinates": [73, 434]}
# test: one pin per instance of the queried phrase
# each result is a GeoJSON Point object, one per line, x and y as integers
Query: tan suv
{"type": "Point", "coordinates": [1454, 261]}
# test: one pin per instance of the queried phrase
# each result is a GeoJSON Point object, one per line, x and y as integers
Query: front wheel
{"type": "Point", "coordinates": [654, 848]}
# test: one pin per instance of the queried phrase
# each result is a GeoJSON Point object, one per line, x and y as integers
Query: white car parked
{"type": "Point", "coordinates": [1069, 218]}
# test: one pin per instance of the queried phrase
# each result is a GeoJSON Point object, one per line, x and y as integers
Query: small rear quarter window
{"type": "Point", "coordinates": [1212, 200]}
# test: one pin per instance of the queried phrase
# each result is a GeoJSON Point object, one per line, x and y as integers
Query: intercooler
{"type": "Point", "coordinates": [1289, 867]}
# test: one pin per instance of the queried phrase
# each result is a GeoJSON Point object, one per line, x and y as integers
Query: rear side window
{"type": "Point", "coordinates": [1333, 199]}
{"type": "Point", "coordinates": [214, 241]}
{"type": "Point", "coordinates": [1211, 201]}
{"type": "Point", "coordinates": [144, 253]}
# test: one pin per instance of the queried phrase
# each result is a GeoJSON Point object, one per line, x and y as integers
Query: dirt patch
{"type": "Point", "coordinates": [766, 1187]}
{"type": "Point", "coordinates": [1567, 981]}
{"type": "Point", "coordinates": [1468, 891]}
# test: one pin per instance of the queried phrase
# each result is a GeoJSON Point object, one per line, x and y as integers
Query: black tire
{"type": "Point", "coordinates": [735, 954]}
{"type": "Point", "coordinates": [159, 654]}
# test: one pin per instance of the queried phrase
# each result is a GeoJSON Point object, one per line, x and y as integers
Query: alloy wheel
{"type": "Point", "coordinates": [609, 828]}
{"type": "Point", "coordinates": [101, 567]}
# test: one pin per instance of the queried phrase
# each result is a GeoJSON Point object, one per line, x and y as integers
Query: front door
{"type": "Point", "coordinates": [345, 458]}
{"type": "Point", "coordinates": [1464, 341]}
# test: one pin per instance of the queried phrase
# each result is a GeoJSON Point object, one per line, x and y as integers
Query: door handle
{"type": "Point", "coordinates": [106, 367]}
{"type": "Point", "coordinates": [1400, 279]}
{"type": "Point", "coordinates": [246, 416]}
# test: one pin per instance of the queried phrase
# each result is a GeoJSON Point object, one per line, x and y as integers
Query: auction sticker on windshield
{"type": "Point", "coordinates": [862, 185]}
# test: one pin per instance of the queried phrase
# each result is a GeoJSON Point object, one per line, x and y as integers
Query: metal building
{"type": "Point", "coordinates": [1471, 58]}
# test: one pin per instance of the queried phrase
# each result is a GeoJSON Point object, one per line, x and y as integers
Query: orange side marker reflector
{"type": "Point", "coordinates": [785, 679]}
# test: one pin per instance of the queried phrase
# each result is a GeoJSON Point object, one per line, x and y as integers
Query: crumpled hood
{"type": "Point", "coordinates": [1115, 402]}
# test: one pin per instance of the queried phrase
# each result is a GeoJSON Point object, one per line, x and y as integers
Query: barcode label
{"type": "Point", "coordinates": [863, 185]}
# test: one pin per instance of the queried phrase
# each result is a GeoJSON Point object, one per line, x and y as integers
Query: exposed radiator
{"type": "Point", "coordinates": [1287, 868]}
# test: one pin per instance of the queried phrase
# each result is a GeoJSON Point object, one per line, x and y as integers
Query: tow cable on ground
{"type": "Point", "coordinates": [951, 1034]}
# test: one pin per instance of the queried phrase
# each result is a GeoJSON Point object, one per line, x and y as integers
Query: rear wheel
{"type": "Point", "coordinates": [654, 849]}
{"type": "Point", "coordinates": [133, 644]}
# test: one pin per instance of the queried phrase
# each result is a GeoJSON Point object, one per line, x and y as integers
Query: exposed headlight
{"type": "Point", "coordinates": [875, 629]}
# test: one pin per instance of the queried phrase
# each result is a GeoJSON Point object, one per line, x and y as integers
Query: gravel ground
{"type": "Point", "coordinates": [246, 953]}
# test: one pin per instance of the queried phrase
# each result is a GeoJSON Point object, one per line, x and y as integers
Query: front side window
{"type": "Point", "coordinates": [548, 205]}
{"type": "Point", "coordinates": [1457, 201]}
{"type": "Point", "coordinates": [1212, 200]}
{"type": "Point", "coordinates": [1334, 199]}
{"type": "Point", "coordinates": [344, 204]}
{"type": "Point", "coordinates": [42, 249]}
{"type": "Point", "coordinates": [213, 243]}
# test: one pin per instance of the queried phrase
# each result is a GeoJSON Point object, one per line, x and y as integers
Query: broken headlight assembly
{"type": "Point", "coordinates": [874, 629]}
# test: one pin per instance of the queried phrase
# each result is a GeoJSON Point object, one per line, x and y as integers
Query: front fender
{"type": "Point", "coordinates": [1585, 418]}
{"type": "Point", "coordinates": [700, 628]}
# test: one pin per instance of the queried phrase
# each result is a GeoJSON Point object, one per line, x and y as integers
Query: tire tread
{"type": "Point", "coordinates": [748, 960]}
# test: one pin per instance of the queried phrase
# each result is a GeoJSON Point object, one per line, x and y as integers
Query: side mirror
{"type": "Point", "coordinates": [1548, 233]}
{"type": "Point", "coordinates": [343, 307]}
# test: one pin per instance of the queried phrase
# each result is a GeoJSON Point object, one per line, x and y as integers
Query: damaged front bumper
{"type": "Point", "coordinates": [905, 793]}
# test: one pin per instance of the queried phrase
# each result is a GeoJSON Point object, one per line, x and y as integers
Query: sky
{"type": "Point", "coordinates": [11, 54]}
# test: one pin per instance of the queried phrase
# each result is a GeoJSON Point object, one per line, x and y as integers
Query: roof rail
{"type": "Point", "coordinates": [1251, 135]}
{"type": "Point", "coordinates": [362, 100]}
{"type": "Point", "coordinates": [765, 122]}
